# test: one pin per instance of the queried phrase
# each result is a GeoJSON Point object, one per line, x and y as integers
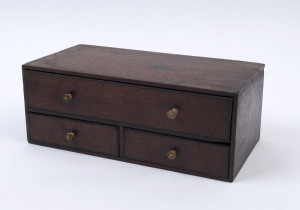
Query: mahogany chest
{"type": "Point", "coordinates": [194, 115]}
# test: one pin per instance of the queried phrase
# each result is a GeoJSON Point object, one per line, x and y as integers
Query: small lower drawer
{"type": "Point", "coordinates": [208, 158]}
{"type": "Point", "coordinates": [76, 134]}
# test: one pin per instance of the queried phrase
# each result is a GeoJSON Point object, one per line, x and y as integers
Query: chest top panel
{"type": "Point", "coordinates": [188, 73]}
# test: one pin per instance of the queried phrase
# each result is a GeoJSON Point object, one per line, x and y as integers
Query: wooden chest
{"type": "Point", "coordinates": [188, 114]}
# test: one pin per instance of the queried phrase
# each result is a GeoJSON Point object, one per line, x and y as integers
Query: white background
{"type": "Point", "coordinates": [266, 31]}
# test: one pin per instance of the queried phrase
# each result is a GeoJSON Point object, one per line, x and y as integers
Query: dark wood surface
{"type": "Point", "coordinates": [88, 136]}
{"type": "Point", "coordinates": [202, 115]}
{"type": "Point", "coordinates": [248, 122]}
{"type": "Point", "coordinates": [191, 155]}
{"type": "Point", "coordinates": [206, 75]}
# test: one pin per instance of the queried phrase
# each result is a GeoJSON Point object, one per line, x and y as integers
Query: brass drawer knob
{"type": "Point", "coordinates": [69, 136]}
{"type": "Point", "coordinates": [171, 154]}
{"type": "Point", "coordinates": [67, 97]}
{"type": "Point", "coordinates": [172, 113]}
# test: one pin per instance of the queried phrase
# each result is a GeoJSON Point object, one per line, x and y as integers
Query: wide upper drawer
{"type": "Point", "coordinates": [197, 114]}
{"type": "Point", "coordinates": [92, 137]}
{"type": "Point", "coordinates": [208, 158]}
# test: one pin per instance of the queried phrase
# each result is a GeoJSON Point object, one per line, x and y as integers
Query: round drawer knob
{"type": "Point", "coordinates": [67, 97]}
{"type": "Point", "coordinates": [172, 113]}
{"type": "Point", "coordinates": [69, 136]}
{"type": "Point", "coordinates": [171, 154]}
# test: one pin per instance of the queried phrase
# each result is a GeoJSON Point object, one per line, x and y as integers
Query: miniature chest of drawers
{"type": "Point", "coordinates": [188, 114]}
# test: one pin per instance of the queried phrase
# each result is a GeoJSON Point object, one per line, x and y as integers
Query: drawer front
{"type": "Point", "coordinates": [176, 152]}
{"type": "Point", "coordinates": [198, 114]}
{"type": "Point", "coordinates": [74, 134]}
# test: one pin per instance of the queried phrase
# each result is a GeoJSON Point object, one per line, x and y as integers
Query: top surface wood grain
{"type": "Point", "coordinates": [198, 74]}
